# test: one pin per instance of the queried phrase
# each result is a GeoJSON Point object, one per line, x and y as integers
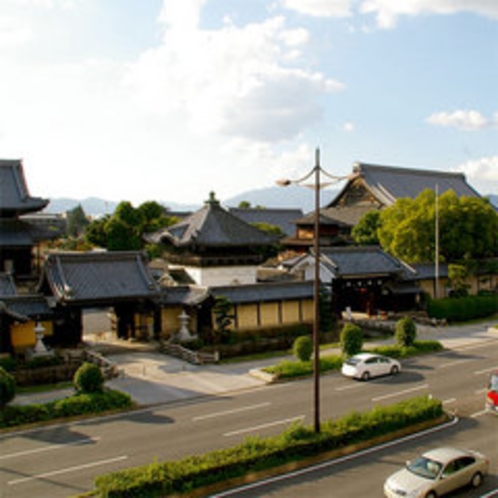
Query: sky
{"type": "Point", "coordinates": [168, 100]}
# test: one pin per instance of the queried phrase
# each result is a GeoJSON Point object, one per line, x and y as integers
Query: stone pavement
{"type": "Point", "coordinates": [154, 378]}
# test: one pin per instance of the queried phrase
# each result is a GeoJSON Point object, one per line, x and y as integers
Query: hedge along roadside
{"type": "Point", "coordinates": [257, 454]}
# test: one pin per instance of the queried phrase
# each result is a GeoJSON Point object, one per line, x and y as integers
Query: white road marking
{"type": "Point", "coordinates": [456, 362]}
{"type": "Point", "coordinates": [49, 448]}
{"type": "Point", "coordinates": [230, 412]}
{"type": "Point", "coordinates": [478, 414]}
{"type": "Point", "coordinates": [400, 393]}
{"type": "Point", "coordinates": [350, 386]}
{"type": "Point", "coordinates": [493, 492]}
{"type": "Point", "coordinates": [447, 401]}
{"type": "Point", "coordinates": [263, 426]}
{"type": "Point", "coordinates": [69, 469]}
{"type": "Point", "coordinates": [485, 371]}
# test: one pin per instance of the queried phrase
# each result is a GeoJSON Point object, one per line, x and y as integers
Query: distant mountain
{"type": "Point", "coordinates": [292, 197]}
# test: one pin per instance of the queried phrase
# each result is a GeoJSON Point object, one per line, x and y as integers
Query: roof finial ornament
{"type": "Point", "coordinates": [212, 201]}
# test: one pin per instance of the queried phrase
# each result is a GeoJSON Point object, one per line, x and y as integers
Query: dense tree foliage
{"type": "Point", "coordinates": [365, 231]}
{"type": "Point", "coordinates": [468, 228]}
{"type": "Point", "coordinates": [124, 230]}
{"type": "Point", "coordinates": [77, 221]}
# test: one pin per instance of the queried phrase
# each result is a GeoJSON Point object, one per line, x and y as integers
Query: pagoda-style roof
{"type": "Point", "coordinates": [212, 227]}
{"type": "Point", "coordinates": [17, 233]}
{"type": "Point", "coordinates": [386, 184]}
{"type": "Point", "coordinates": [14, 195]}
{"type": "Point", "coordinates": [98, 277]}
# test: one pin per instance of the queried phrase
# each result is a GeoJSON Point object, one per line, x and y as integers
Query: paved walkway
{"type": "Point", "coordinates": [154, 378]}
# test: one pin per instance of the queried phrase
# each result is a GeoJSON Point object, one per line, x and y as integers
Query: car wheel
{"type": "Point", "coordinates": [365, 376]}
{"type": "Point", "coordinates": [476, 480]}
{"type": "Point", "coordinates": [431, 494]}
{"type": "Point", "coordinates": [394, 370]}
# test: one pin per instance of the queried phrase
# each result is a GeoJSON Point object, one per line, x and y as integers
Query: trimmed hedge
{"type": "Point", "coordinates": [72, 406]}
{"type": "Point", "coordinates": [255, 453]}
{"type": "Point", "coordinates": [458, 309]}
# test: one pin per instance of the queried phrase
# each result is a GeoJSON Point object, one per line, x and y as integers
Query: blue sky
{"type": "Point", "coordinates": [168, 100]}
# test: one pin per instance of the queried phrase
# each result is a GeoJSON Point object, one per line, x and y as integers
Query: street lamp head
{"type": "Point", "coordinates": [283, 183]}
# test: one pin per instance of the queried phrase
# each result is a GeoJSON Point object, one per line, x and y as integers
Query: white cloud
{"type": "Point", "coordinates": [320, 8]}
{"type": "Point", "coordinates": [462, 119]}
{"type": "Point", "coordinates": [348, 126]}
{"type": "Point", "coordinates": [482, 173]}
{"type": "Point", "coordinates": [13, 31]}
{"type": "Point", "coordinates": [236, 81]}
{"type": "Point", "coordinates": [387, 12]}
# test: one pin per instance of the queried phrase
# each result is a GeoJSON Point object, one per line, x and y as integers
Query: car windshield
{"type": "Point", "coordinates": [493, 383]}
{"type": "Point", "coordinates": [424, 467]}
{"type": "Point", "coordinates": [353, 361]}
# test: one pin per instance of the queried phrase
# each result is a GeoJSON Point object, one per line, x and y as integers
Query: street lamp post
{"type": "Point", "coordinates": [316, 186]}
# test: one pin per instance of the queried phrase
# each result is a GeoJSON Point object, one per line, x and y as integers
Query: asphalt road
{"type": "Point", "coordinates": [61, 461]}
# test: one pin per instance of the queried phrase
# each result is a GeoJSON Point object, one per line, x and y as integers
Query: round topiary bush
{"type": "Point", "coordinates": [7, 387]}
{"type": "Point", "coordinates": [88, 379]}
{"type": "Point", "coordinates": [351, 339]}
{"type": "Point", "coordinates": [303, 348]}
{"type": "Point", "coordinates": [406, 332]}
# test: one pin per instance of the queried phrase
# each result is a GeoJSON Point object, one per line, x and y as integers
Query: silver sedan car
{"type": "Point", "coordinates": [367, 365]}
{"type": "Point", "coordinates": [436, 473]}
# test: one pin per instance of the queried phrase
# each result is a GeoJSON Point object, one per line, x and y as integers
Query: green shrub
{"type": "Point", "coordinates": [287, 369]}
{"type": "Point", "coordinates": [406, 332]}
{"type": "Point", "coordinates": [7, 387]}
{"type": "Point", "coordinates": [8, 363]}
{"type": "Point", "coordinates": [44, 361]}
{"type": "Point", "coordinates": [303, 348]}
{"type": "Point", "coordinates": [88, 379]}
{"type": "Point", "coordinates": [351, 339]}
{"type": "Point", "coordinates": [72, 406]}
{"type": "Point", "coordinates": [463, 308]}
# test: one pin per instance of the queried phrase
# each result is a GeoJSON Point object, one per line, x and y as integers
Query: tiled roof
{"type": "Point", "coordinates": [7, 285]}
{"type": "Point", "coordinates": [282, 218]}
{"type": "Point", "coordinates": [99, 276]}
{"type": "Point", "coordinates": [34, 306]}
{"type": "Point", "coordinates": [14, 194]}
{"type": "Point", "coordinates": [184, 295]}
{"type": "Point", "coordinates": [252, 293]}
{"type": "Point", "coordinates": [14, 232]}
{"type": "Point", "coordinates": [389, 183]}
{"type": "Point", "coordinates": [362, 261]}
{"type": "Point", "coordinates": [428, 271]}
{"type": "Point", "coordinates": [346, 216]}
{"type": "Point", "coordinates": [212, 226]}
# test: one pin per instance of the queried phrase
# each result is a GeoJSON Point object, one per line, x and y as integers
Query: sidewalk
{"type": "Point", "coordinates": [152, 378]}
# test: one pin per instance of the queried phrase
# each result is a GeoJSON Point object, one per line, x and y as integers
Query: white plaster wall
{"type": "Point", "coordinates": [222, 275]}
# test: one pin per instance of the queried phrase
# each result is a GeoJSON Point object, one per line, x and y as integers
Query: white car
{"type": "Point", "coordinates": [436, 473]}
{"type": "Point", "coordinates": [367, 365]}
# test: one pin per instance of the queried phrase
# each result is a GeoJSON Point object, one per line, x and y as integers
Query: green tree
{"type": "Point", "coordinates": [468, 228]}
{"type": "Point", "coordinates": [303, 348]}
{"type": "Point", "coordinates": [364, 233]}
{"type": "Point", "coordinates": [351, 339]}
{"type": "Point", "coordinates": [406, 332]}
{"type": "Point", "coordinates": [77, 221]}
{"type": "Point", "coordinates": [88, 379]}
{"type": "Point", "coordinates": [457, 275]}
{"type": "Point", "coordinates": [124, 230]}
{"type": "Point", "coordinates": [223, 316]}
{"type": "Point", "coordinates": [96, 231]}
{"type": "Point", "coordinates": [244, 205]}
